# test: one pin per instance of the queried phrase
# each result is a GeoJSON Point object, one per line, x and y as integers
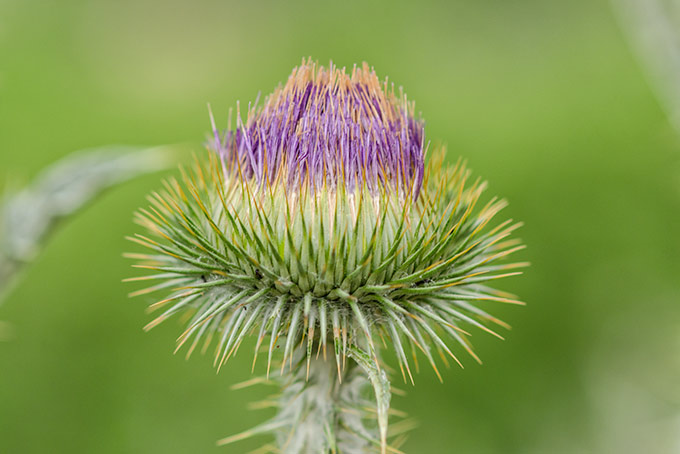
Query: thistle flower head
{"type": "Point", "coordinates": [324, 129]}
{"type": "Point", "coordinates": [315, 225]}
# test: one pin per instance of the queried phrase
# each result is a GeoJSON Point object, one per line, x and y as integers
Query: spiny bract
{"type": "Point", "coordinates": [315, 223]}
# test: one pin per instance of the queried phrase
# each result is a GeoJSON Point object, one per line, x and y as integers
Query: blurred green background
{"type": "Point", "coordinates": [544, 99]}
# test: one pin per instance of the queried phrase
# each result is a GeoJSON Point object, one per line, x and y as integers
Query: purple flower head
{"type": "Point", "coordinates": [326, 129]}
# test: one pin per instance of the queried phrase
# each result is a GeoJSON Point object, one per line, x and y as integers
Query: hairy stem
{"type": "Point", "coordinates": [321, 412]}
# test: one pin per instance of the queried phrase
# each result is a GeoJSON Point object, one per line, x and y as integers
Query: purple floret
{"type": "Point", "coordinates": [325, 128]}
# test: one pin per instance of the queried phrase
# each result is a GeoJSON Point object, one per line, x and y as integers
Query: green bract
{"type": "Point", "coordinates": [327, 268]}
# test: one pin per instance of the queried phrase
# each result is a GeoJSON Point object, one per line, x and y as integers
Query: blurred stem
{"type": "Point", "coordinates": [653, 27]}
{"type": "Point", "coordinates": [28, 216]}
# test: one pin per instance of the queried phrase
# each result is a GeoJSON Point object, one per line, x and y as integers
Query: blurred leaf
{"type": "Point", "coordinates": [653, 26]}
{"type": "Point", "coordinates": [28, 216]}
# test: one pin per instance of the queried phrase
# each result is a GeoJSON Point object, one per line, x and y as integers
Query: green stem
{"type": "Point", "coordinates": [321, 412]}
{"type": "Point", "coordinates": [326, 413]}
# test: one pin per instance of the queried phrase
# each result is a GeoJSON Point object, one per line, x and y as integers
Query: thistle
{"type": "Point", "coordinates": [315, 225]}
